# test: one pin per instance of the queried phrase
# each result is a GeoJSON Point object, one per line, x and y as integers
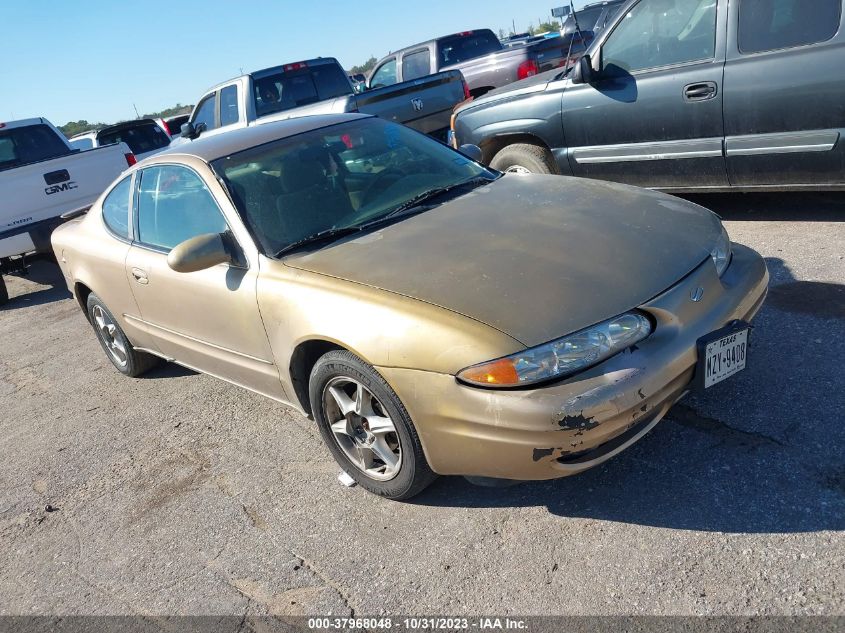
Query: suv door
{"type": "Point", "coordinates": [784, 90]}
{"type": "Point", "coordinates": [653, 114]}
{"type": "Point", "coordinates": [209, 319]}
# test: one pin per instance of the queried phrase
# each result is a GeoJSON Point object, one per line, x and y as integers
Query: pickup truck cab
{"type": "Point", "coordinates": [482, 59]}
{"type": "Point", "coordinates": [42, 178]}
{"type": "Point", "coordinates": [739, 95]}
{"type": "Point", "coordinates": [321, 86]}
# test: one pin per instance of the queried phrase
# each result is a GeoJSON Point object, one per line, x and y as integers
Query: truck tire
{"type": "Point", "coordinates": [522, 158]}
{"type": "Point", "coordinates": [4, 294]}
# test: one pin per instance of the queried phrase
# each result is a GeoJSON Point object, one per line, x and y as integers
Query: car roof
{"type": "Point", "coordinates": [216, 146]}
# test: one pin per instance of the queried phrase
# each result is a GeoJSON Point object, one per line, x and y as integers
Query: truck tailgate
{"type": "Point", "coordinates": [37, 192]}
{"type": "Point", "coordinates": [424, 104]}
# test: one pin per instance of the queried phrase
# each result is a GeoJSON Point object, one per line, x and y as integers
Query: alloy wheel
{"type": "Point", "coordinates": [108, 333]}
{"type": "Point", "coordinates": [362, 428]}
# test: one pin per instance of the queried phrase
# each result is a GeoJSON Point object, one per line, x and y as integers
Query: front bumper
{"type": "Point", "coordinates": [578, 423]}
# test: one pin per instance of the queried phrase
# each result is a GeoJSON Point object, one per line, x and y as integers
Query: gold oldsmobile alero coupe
{"type": "Point", "coordinates": [432, 315]}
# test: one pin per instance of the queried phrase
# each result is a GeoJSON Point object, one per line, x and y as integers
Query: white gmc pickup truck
{"type": "Point", "coordinates": [42, 178]}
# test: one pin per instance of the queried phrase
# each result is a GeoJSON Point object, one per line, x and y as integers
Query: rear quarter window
{"type": "Point", "coordinates": [767, 25]}
{"type": "Point", "coordinates": [116, 209]}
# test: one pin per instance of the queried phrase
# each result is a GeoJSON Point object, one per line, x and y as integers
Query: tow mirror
{"type": "Point", "coordinates": [199, 253]}
{"type": "Point", "coordinates": [473, 152]}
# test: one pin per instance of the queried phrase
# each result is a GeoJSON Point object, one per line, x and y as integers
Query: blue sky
{"type": "Point", "coordinates": [92, 60]}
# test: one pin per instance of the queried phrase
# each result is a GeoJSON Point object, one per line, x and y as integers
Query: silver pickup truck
{"type": "Point", "coordinates": [321, 86]}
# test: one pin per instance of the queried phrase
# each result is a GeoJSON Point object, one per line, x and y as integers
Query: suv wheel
{"type": "Point", "coordinates": [522, 158]}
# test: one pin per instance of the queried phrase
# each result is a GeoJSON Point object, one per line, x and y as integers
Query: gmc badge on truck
{"type": "Point", "coordinates": [65, 186]}
{"type": "Point", "coordinates": [418, 104]}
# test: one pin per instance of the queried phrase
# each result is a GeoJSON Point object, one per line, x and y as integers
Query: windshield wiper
{"type": "Point", "coordinates": [415, 203]}
{"type": "Point", "coordinates": [417, 200]}
{"type": "Point", "coordinates": [322, 236]}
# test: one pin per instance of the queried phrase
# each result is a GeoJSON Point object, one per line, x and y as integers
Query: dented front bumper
{"type": "Point", "coordinates": [576, 424]}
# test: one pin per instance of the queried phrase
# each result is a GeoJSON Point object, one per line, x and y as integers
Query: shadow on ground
{"type": "Point", "coordinates": [756, 454]}
{"type": "Point", "coordinates": [46, 273]}
{"type": "Point", "coordinates": [775, 207]}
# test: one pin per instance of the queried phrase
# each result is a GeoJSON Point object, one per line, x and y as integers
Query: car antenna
{"type": "Point", "coordinates": [577, 30]}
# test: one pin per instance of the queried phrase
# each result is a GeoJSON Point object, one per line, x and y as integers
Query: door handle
{"type": "Point", "coordinates": [140, 276]}
{"type": "Point", "coordinates": [701, 91]}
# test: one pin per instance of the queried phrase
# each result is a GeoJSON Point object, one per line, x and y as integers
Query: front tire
{"type": "Point", "coordinates": [4, 294]}
{"type": "Point", "coordinates": [522, 158]}
{"type": "Point", "coordinates": [126, 359]}
{"type": "Point", "coordinates": [367, 428]}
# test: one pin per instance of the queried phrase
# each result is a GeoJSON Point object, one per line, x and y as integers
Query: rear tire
{"type": "Point", "coordinates": [522, 158]}
{"type": "Point", "coordinates": [366, 427]}
{"type": "Point", "coordinates": [4, 294]}
{"type": "Point", "coordinates": [126, 359]}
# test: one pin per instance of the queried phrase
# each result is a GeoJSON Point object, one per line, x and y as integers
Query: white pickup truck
{"type": "Point", "coordinates": [42, 178]}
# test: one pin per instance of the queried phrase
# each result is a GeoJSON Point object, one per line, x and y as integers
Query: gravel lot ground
{"type": "Point", "coordinates": [180, 494]}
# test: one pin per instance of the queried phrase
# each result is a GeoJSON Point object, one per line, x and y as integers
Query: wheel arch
{"type": "Point", "coordinates": [81, 291]}
{"type": "Point", "coordinates": [305, 355]}
{"type": "Point", "coordinates": [492, 146]}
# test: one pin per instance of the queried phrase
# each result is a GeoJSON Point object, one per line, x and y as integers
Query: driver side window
{"type": "Point", "coordinates": [657, 33]}
{"type": "Point", "coordinates": [385, 75]}
{"type": "Point", "coordinates": [205, 112]}
{"type": "Point", "coordinates": [174, 205]}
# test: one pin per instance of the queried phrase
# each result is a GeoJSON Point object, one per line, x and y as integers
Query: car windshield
{"type": "Point", "coordinates": [337, 178]}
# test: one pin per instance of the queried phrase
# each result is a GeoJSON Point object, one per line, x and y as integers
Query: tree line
{"type": "Point", "coordinates": [77, 127]}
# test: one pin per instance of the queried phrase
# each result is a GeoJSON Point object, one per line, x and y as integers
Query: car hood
{"type": "Point", "coordinates": [536, 257]}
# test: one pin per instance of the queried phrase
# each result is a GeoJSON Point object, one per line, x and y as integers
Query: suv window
{"type": "Point", "coordinates": [174, 205]}
{"type": "Point", "coordinates": [229, 105]}
{"type": "Point", "coordinates": [141, 138]}
{"type": "Point", "coordinates": [657, 33]}
{"type": "Point", "coordinates": [116, 208]}
{"type": "Point", "coordinates": [30, 144]}
{"type": "Point", "coordinates": [205, 112]}
{"type": "Point", "coordinates": [415, 65]}
{"type": "Point", "coordinates": [766, 25]}
{"type": "Point", "coordinates": [385, 75]}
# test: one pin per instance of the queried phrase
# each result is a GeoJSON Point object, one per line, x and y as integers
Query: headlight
{"type": "Point", "coordinates": [721, 252]}
{"type": "Point", "coordinates": [562, 357]}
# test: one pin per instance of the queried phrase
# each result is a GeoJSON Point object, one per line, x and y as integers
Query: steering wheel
{"type": "Point", "coordinates": [381, 182]}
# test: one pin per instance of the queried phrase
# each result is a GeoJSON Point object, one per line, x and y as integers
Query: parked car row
{"type": "Point", "coordinates": [482, 59]}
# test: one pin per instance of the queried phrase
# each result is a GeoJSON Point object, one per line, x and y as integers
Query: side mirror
{"type": "Point", "coordinates": [191, 131]}
{"type": "Point", "coordinates": [473, 152]}
{"type": "Point", "coordinates": [583, 73]}
{"type": "Point", "coordinates": [199, 253]}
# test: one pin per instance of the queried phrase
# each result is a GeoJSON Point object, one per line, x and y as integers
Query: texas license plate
{"type": "Point", "coordinates": [722, 355]}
